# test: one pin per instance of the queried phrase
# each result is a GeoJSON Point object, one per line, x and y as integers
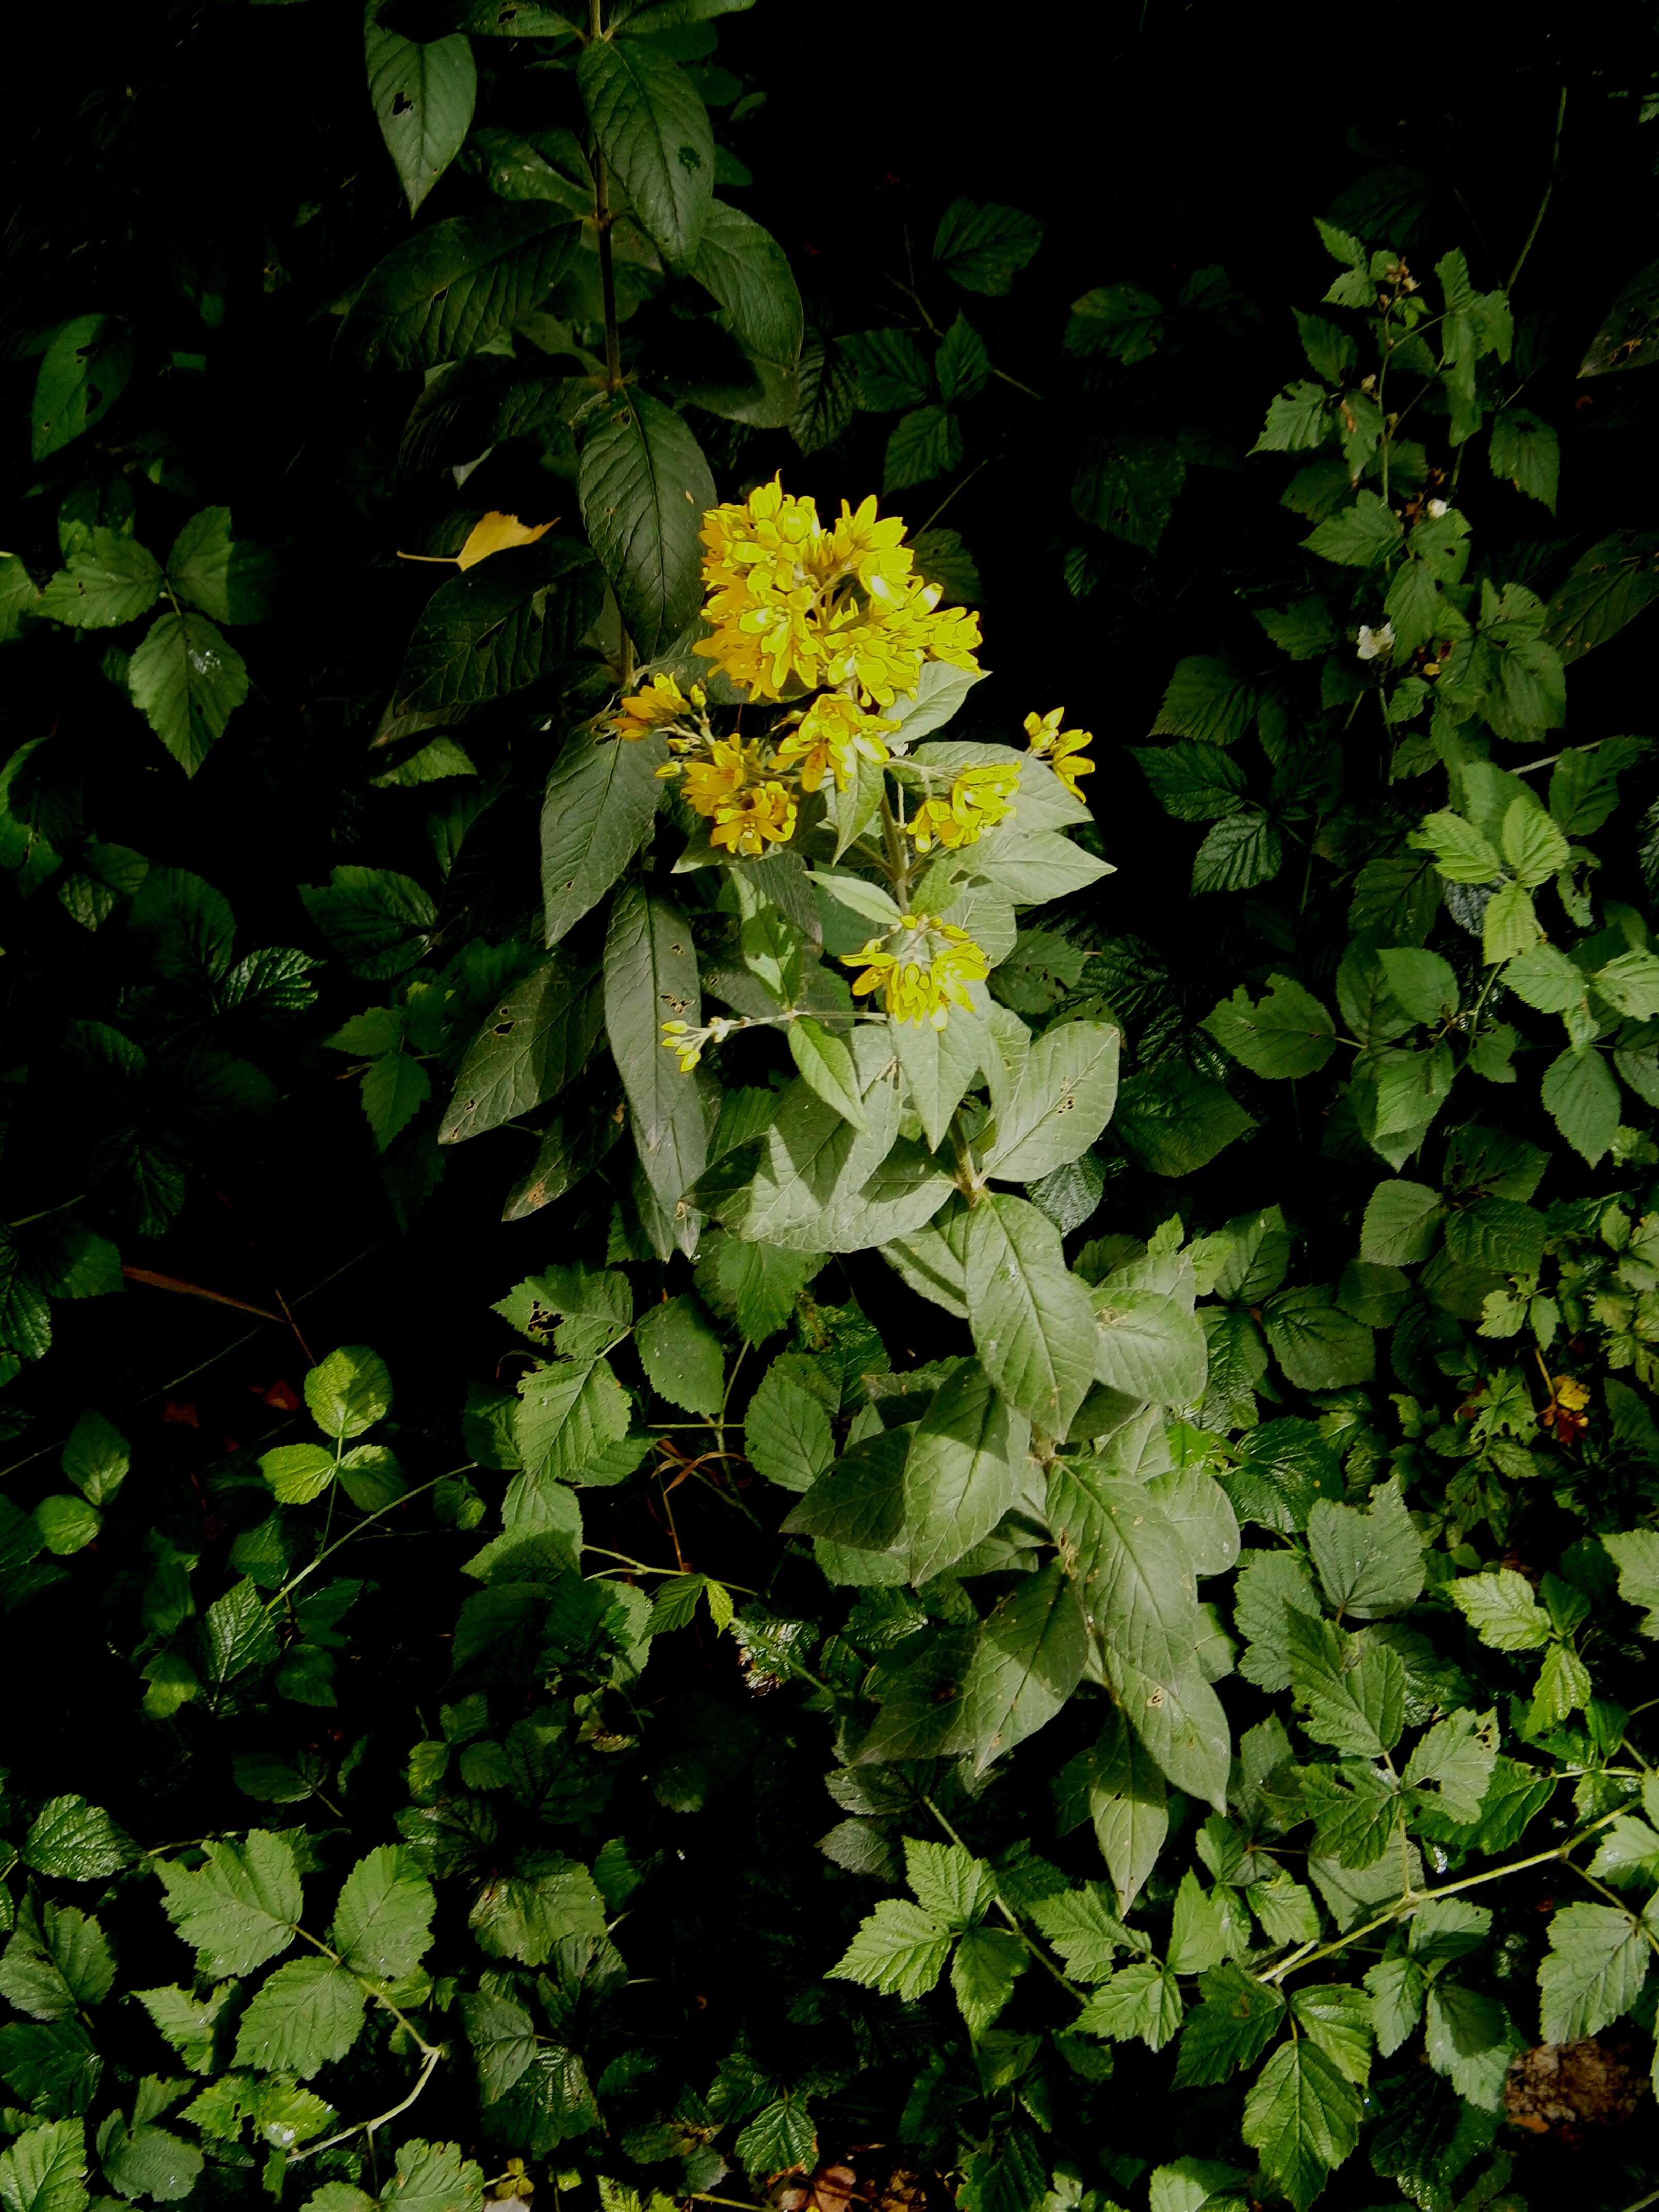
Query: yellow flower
{"type": "Point", "coordinates": [793, 604]}
{"type": "Point", "coordinates": [833, 734]}
{"type": "Point", "coordinates": [976, 801]}
{"type": "Point", "coordinates": [661, 702]}
{"type": "Point", "coordinates": [1061, 748]}
{"type": "Point", "coordinates": [713, 783]}
{"type": "Point", "coordinates": [746, 824]}
{"type": "Point", "coordinates": [926, 975]}
{"type": "Point", "coordinates": [686, 1042]}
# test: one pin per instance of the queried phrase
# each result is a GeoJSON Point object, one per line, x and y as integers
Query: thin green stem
{"type": "Point", "coordinates": [1033, 1949]}
{"type": "Point", "coordinates": [358, 1527]}
{"type": "Point", "coordinates": [602, 221]}
{"type": "Point", "coordinates": [898, 859]}
{"type": "Point", "coordinates": [1309, 1953]}
{"type": "Point", "coordinates": [1549, 190]}
{"type": "Point", "coordinates": [367, 2127]}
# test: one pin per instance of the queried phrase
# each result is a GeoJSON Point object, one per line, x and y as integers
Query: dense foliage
{"type": "Point", "coordinates": [1000, 1543]}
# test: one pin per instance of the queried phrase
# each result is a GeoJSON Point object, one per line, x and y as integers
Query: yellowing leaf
{"type": "Point", "coordinates": [494, 532]}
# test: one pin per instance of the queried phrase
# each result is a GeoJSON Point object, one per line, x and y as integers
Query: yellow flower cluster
{"type": "Point", "coordinates": [926, 975]}
{"type": "Point", "coordinates": [659, 705]}
{"type": "Point", "coordinates": [831, 738]}
{"type": "Point", "coordinates": [1061, 748]}
{"type": "Point", "coordinates": [978, 799]}
{"type": "Point", "coordinates": [729, 787]}
{"type": "Point", "coordinates": [793, 604]}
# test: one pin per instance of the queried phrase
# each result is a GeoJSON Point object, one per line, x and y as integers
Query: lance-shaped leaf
{"type": "Point", "coordinates": [1139, 1595]}
{"type": "Point", "coordinates": [645, 488]}
{"type": "Point", "coordinates": [654, 132]}
{"type": "Point", "coordinates": [1062, 1102]}
{"type": "Point", "coordinates": [860, 1501]}
{"type": "Point", "coordinates": [960, 1473]}
{"type": "Point", "coordinates": [1129, 1807]}
{"type": "Point", "coordinates": [650, 978]}
{"type": "Point", "coordinates": [826, 1066]}
{"type": "Point", "coordinates": [457, 284]}
{"type": "Point", "coordinates": [811, 1157]}
{"type": "Point", "coordinates": [600, 803]}
{"type": "Point", "coordinates": [1028, 1658]}
{"type": "Point", "coordinates": [748, 272]}
{"type": "Point", "coordinates": [495, 629]}
{"type": "Point", "coordinates": [422, 95]}
{"type": "Point", "coordinates": [1033, 1325]}
{"type": "Point", "coordinates": [532, 1045]}
{"type": "Point", "coordinates": [940, 1067]}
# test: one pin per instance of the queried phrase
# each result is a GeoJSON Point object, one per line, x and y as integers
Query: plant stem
{"type": "Point", "coordinates": [602, 222]}
{"type": "Point", "coordinates": [357, 1527]}
{"type": "Point", "coordinates": [367, 2127]}
{"type": "Point", "coordinates": [1033, 1950]}
{"type": "Point", "coordinates": [899, 861]}
{"type": "Point", "coordinates": [1549, 189]}
{"type": "Point", "coordinates": [1309, 1953]}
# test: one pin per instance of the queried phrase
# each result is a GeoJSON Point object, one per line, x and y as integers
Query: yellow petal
{"type": "Point", "coordinates": [496, 533]}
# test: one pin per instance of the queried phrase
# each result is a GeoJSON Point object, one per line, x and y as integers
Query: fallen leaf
{"type": "Point", "coordinates": [494, 533]}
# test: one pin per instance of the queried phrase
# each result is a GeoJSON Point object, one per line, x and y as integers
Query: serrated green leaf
{"type": "Point", "coordinates": [1597, 1963]}
{"type": "Point", "coordinates": [1369, 1564]}
{"type": "Point", "coordinates": [304, 2016]}
{"type": "Point", "coordinates": [1304, 2117]}
{"type": "Point", "coordinates": [900, 1950]}
{"type": "Point", "coordinates": [383, 1922]}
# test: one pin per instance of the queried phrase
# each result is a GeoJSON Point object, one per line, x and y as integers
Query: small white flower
{"type": "Point", "coordinates": [1437, 508]}
{"type": "Point", "coordinates": [1376, 644]}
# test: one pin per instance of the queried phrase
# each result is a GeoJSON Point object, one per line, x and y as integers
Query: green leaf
{"type": "Point", "coordinates": [949, 1882]}
{"type": "Point", "coordinates": [303, 2016]}
{"type": "Point", "coordinates": [225, 577]}
{"type": "Point", "coordinates": [1584, 783]}
{"type": "Point", "coordinates": [1299, 418]}
{"type": "Point", "coordinates": [1582, 1095]}
{"type": "Point", "coordinates": [1143, 1999]}
{"type": "Point", "coordinates": [1304, 2117]}
{"type": "Point", "coordinates": [983, 248]}
{"type": "Point", "coordinates": [378, 921]}
{"type": "Point", "coordinates": [422, 97]}
{"type": "Point", "coordinates": [940, 1066]}
{"type": "Point", "coordinates": [566, 1416]}
{"type": "Point", "coordinates": [42, 2170]}
{"type": "Point", "coordinates": [1289, 1034]}
{"type": "Point", "coordinates": [1526, 450]}
{"type": "Point", "coordinates": [192, 2024]}
{"type": "Point", "coordinates": [645, 488]}
{"type": "Point", "coordinates": [1453, 1762]}
{"type": "Point", "coordinates": [241, 1908]}
{"type": "Point", "coordinates": [890, 368]}
{"type": "Point", "coordinates": [383, 1922]}
{"type": "Point", "coordinates": [860, 1503]}
{"type": "Point", "coordinates": [535, 1041]}
{"type": "Point", "coordinates": [186, 679]}
{"type": "Point", "coordinates": [526, 1917]}
{"type": "Point", "coordinates": [1396, 1988]}
{"type": "Point", "coordinates": [748, 272]}
{"type": "Point", "coordinates": [1360, 535]}
{"type": "Point", "coordinates": [497, 628]}
{"type": "Point", "coordinates": [433, 2178]}
{"type": "Point", "coordinates": [756, 1285]}
{"type": "Point", "coordinates": [682, 1355]}
{"type": "Point", "coordinates": [1236, 2021]}
{"type": "Point", "coordinates": [826, 1066]}
{"type": "Point", "coordinates": [1128, 1806]}
{"type": "Point", "coordinates": [1319, 1346]}
{"type": "Point", "coordinates": [1337, 2019]}
{"type": "Point", "coordinates": [651, 977]}
{"type": "Point", "coordinates": [600, 803]}
{"type": "Point", "coordinates": [1400, 1225]}
{"type": "Point", "coordinates": [1240, 852]}
{"type": "Point", "coordinates": [1195, 783]}
{"type": "Point", "coordinates": [1637, 1558]}
{"type": "Point", "coordinates": [812, 1186]}
{"type": "Point", "coordinates": [456, 285]}
{"type": "Point", "coordinates": [1420, 983]}
{"type": "Point", "coordinates": [349, 1391]}
{"type": "Point", "coordinates": [959, 1472]}
{"type": "Point", "coordinates": [924, 444]}
{"type": "Point", "coordinates": [1087, 1935]}
{"type": "Point", "coordinates": [110, 580]}
{"type": "Point", "coordinates": [988, 1961]}
{"type": "Point", "coordinates": [1128, 485]}
{"type": "Point", "coordinates": [1369, 1564]}
{"type": "Point", "coordinates": [394, 1087]}
{"type": "Point", "coordinates": [67, 1523]}
{"type": "Point", "coordinates": [1032, 1323]}
{"type": "Point", "coordinates": [1462, 854]}
{"type": "Point", "coordinates": [1609, 586]}
{"type": "Point", "coordinates": [1597, 1963]}
{"type": "Point", "coordinates": [1062, 1100]}
{"type": "Point", "coordinates": [1533, 846]}
{"type": "Point", "coordinates": [75, 1841]}
{"type": "Point", "coordinates": [654, 132]}
{"type": "Point", "coordinates": [1175, 1121]}
{"type": "Point", "coordinates": [900, 1950]}
{"type": "Point", "coordinates": [1136, 1585]}
{"type": "Point", "coordinates": [787, 1433]}
{"type": "Point", "coordinates": [1207, 699]}
{"type": "Point", "coordinates": [780, 2138]}
{"type": "Point", "coordinates": [148, 2162]}
{"type": "Point", "coordinates": [1028, 1658]}
{"type": "Point", "coordinates": [82, 373]}
{"type": "Point", "coordinates": [961, 365]}
{"type": "Point", "coordinates": [1353, 1688]}
{"type": "Point", "coordinates": [1149, 1346]}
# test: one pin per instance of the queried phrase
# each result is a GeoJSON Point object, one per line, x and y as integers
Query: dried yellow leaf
{"type": "Point", "coordinates": [494, 532]}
